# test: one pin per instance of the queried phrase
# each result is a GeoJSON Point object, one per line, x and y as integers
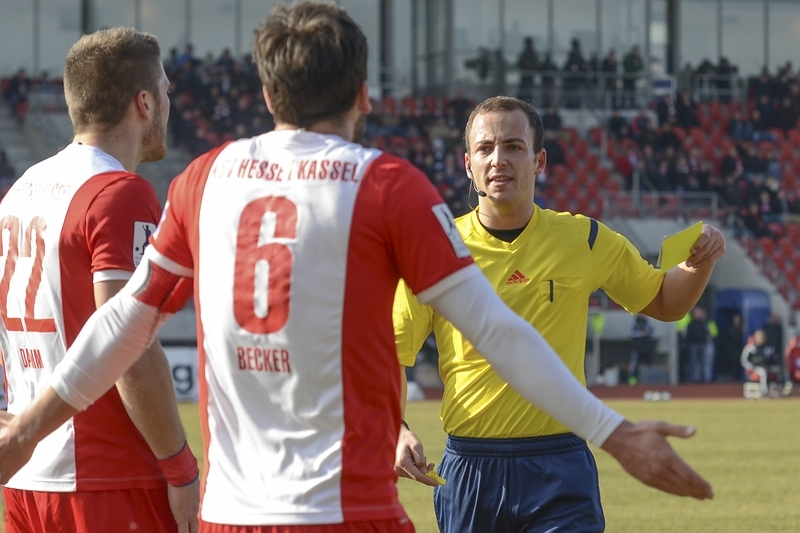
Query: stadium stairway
{"type": "Point", "coordinates": [46, 133]}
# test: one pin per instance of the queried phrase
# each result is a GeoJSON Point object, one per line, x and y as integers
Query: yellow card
{"type": "Point", "coordinates": [434, 476]}
{"type": "Point", "coordinates": [677, 248]}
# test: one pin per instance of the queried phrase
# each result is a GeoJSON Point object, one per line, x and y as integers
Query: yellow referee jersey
{"type": "Point", "coordinates": [546, 275]}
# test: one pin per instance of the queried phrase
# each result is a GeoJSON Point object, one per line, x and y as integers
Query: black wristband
{"type": "Point", "coordinates": [405, 424]}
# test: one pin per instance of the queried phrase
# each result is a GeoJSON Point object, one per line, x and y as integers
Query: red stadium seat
{"type": "Point", "coordinates": [601, 175]}
{"type": "Point", "coordinates": [592, 161]}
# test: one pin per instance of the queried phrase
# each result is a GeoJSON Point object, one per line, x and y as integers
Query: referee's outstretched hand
{"type": "Point", "coordinates": [643, 451]}
{"type": "Point", "coordinates": [410, 459]}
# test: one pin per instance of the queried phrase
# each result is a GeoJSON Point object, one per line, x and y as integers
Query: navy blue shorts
{"type": "Point", "coordinates": [530, 485]}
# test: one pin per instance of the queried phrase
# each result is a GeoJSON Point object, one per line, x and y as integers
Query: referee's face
{"type": "Point", "coordinates": [501, 159]}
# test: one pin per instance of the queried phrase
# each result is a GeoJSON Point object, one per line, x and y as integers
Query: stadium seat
{"type": "Point", "coordinates": [596, 135]}
{"type": "Point", "coordinates": [767, 244]}
{"type": "Point", "coordinates": [601, 175]}
{"type": "Point", "coordinates": [592, 161]}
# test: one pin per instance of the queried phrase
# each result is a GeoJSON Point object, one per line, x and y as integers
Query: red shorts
{"type": "Point", "coordinates": [394, 525]}
{"type": "Point", "coordinates": [139, 510]}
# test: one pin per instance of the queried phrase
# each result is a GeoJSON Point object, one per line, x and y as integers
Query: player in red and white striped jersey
{"type": "Point", "coordinates": [293, 242]}
{"type": "Point", "coordinates": [74, 227]}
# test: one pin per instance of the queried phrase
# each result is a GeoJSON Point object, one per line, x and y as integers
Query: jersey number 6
{"type": "Point", "coordinates": [36, 226]}
{"type": "Point", "coordinates": [259, 308]}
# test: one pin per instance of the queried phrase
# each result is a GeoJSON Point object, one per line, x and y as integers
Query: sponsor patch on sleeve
{"type": "Point", "coordinates": [141, 238]}
{"type": "Point", "coordinates": [445, 218]}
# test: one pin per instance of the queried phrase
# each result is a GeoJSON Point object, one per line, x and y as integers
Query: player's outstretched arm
{"type": "Point", "coordinates": [520, 356]}
{"type": "Point", "coordinates": [642, 449]}
{"type": "Point", "coordinates": [148, 394]}
{"type": "Point", "coordinates": [19, 435]}
{"type": "Point", "coordinates": [113, 338]}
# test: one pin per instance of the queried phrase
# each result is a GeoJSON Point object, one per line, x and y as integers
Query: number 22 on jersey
{"type": "Point", "coordinates": [32, 239]}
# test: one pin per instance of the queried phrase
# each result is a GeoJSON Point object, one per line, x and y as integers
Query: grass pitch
{"type": "Point", "coordinates": [749, 450]}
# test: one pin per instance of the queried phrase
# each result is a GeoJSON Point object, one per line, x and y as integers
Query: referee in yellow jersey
{"type": "Point", "coordinates": [509, 466]}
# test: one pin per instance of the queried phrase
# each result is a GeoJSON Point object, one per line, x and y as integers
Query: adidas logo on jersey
{"type": "Point", "coordinates": [516, 278]}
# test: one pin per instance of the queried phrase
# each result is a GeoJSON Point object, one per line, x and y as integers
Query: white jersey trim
{"type": "Point", "coordinates": [447, 283]}
{"type": "Point", "coordinates": [167, 264]}
{"type": "Point", "coordinates": [111, 275]}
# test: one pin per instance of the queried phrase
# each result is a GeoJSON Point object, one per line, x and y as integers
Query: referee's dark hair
{"type": "Point", "coordinates": [504, 104]}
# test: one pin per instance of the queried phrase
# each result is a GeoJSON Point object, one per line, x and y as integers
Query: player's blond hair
{"type": "Point", "coordinates": [312, 59]}
{"type": "Point", "coordinates": [103, 73]}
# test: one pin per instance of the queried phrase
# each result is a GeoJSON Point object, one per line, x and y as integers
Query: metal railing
{"type": "Point", "coordinates": [689, 205]}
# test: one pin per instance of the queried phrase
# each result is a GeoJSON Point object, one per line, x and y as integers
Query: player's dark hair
{"type": "Point", "coordinates": [312, 59]}
{"type": "Point", "coordinates": [506, 104]}
{"type": "Point", "coordinates": [103, 73]}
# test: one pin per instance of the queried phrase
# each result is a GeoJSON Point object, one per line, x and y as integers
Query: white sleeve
{"type": "Point", "coordinates": [521, 356]}
{"type": "Point", "coordinates": [113, 339]}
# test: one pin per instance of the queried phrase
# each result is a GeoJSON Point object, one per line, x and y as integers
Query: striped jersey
{"type": "Point", "coordinates": [70, 221]}
{"type": "Point", "coordinates": [296, 241]}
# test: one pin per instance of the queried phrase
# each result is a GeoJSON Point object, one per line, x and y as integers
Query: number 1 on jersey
{"type": "Point", "coordinates": [252, 256]}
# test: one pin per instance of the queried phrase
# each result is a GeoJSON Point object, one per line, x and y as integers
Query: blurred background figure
{"type": "Point", "coordinates": [641, 347]}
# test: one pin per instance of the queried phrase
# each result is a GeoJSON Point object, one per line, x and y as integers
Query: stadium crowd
{"type": "Point", "coordinates": [677, 144]}
{"type": "Point", "coordinates": [741, 152]}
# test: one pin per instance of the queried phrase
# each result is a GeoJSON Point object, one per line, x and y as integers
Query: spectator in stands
{"type": "Point", "coordinates": [752, 163]}
{"type": "Point", "coordinates": [754, 222]}
{"type": "Point", "coordinates": [686, 111]}
{"type": "Point", "coordinates": [618, 127]}
{"type": "Point", "coordinates": [648, 164]}
{"type": "Point", "coordinates": [667, 138]}
{"type": "Point", "coordinates": [641, 335]}
{"type": "Point", "coordinates": [767, 207]}
{"type": "Point", "coordinates": [761, 359]}
{"type": "Point", "coordinates": [640, 123]}
{"type": "Point", "coordinates": [187, 57]}
{"type": "Point", "coordinates": [663, 178]}
{"type": "Point", "coordinates": [610, 67]}
{"type": "Point", "coordinates": [786, 115]}
{"type": "Point", "coordinates": [772, 163]}
{"type": "Point", "coordinates": [729, 350]}
{"type": "Point", "coordinates": [666, 110]}
{"type": "Point", "coordinates": [527, 63]}
{"type": "Point", "coordinates": [725, 74]}
{"type": "Point", "coordinates": [739, 128]}
{"type": "Point", "coordinates": [683, 175]}
{"type": "Point", "coordinates": [762, 85]}
{"type": "Point", "coordinates": [552, 146]}
{"type": "Point", "coordinates": [7, 172]}
{"type": "Point", "coordinates": [632, 67]}
{"type": "Point", "coordinates": [697, 339]}
{"type": "Point", "coordinates": [761, 119]}
{"type": "Point", "coordinates": [773, 330]}
{"type": "Point", "coordinates": [649, 137]}
{"type": "Point", "coordinates": [551, 120]}
{"type": "Point", "coordinates": [226, 61]}
{"type": "Point", "coordinates": [548, 68]}
{"type": "Point", "coordinates": [18, 90]}
{"type": "Point", "coordinates": [575, 70]}
{"type": "Point", "coordinates": [731, 164]}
